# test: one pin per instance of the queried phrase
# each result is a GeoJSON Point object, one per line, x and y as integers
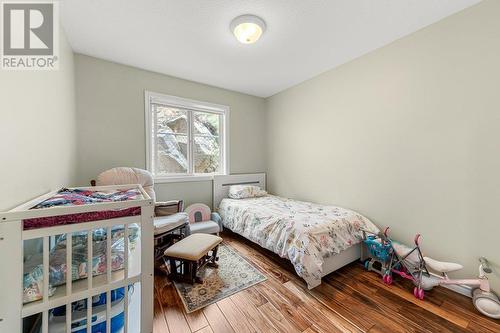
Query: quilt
{"type": "Point", "coordinates": [77, 197]}
{"type": "Point", "coordinates": [303, 232]}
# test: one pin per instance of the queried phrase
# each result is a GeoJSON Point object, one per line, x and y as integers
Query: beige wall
{"type": "Point", "coordinates": [409, 135]}
{"type": "Point", "coordinates": [37, 130]}
{"type": "Point", "coordinates": [110, 103]}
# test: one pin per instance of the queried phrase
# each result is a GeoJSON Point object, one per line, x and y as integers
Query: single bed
{"type": "Point", "coordinates": [317, 239]}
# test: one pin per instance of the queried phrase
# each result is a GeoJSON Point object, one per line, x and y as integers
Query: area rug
{"type": "Point", "coordinates": [233, 275]}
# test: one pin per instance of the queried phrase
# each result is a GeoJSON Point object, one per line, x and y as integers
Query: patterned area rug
{"type": "Point", "coordinates": [233, 275]}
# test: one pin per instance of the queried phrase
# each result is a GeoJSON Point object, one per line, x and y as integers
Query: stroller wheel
{"type": "Point", "coordinates": [387, 279]}
{"type": "Point", "coordinates": [418, 293]}
{"type": "Point", "coordinates": [486, 303]}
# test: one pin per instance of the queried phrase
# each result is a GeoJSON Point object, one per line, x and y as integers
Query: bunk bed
{"type": "Point", "coordinates": [56, 283]}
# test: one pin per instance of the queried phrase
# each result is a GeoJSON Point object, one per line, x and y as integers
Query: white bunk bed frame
{"type": "Point", "coordinates": [12, 237]}
{"type": "Point", "coordinates": [221, 189]}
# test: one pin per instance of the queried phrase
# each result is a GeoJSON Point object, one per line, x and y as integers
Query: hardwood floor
{"type": "Point", "coordinates": [349, 300]}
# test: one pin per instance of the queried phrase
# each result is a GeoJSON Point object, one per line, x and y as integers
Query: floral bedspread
{"type": "Point", "coordinates": [303, 232]}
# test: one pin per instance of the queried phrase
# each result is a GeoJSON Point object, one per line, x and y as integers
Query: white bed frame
{"type": "Point", "coordinates": [138, 268]}
{"type": "Point", "coordinates": [221, 186]}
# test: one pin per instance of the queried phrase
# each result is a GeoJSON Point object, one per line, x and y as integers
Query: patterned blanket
{"type": "Point", "coordinates": [303, 232]}
{"type": "Point", "coordinates": [72, 197]}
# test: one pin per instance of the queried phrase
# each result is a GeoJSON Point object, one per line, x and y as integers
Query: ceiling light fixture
{"type": "Point", "coordinates": [247, 28]}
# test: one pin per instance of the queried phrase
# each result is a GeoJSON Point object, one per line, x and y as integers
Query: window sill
{"type": "Point", "coordinates": [181, 179]}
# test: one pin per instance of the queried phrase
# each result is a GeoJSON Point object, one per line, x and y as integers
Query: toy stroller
{"type": "Point", "coordinates": [388, 258]}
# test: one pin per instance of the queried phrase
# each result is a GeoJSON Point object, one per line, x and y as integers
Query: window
{"type": "Point", "coordinates": [186, 139]}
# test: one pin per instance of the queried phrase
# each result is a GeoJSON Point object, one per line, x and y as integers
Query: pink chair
{"type": "Point", "coordinates": [202, 220]}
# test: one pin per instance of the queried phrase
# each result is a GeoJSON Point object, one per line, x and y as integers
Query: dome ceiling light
{"type": "Point", "coordinates": [247, 28]}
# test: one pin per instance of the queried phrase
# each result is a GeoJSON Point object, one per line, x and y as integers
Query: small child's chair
{"type": "Point", "coordinates": [202, 220]}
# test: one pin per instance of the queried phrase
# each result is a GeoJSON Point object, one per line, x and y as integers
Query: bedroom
{"type": "Point", "coordinates": [386, 108]}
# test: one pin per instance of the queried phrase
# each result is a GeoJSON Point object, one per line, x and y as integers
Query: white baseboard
{"type": "Point", "coordinates": [460, 289]}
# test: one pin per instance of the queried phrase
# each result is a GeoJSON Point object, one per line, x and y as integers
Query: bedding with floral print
{"type": "Point", "coordinates": [303, 232]}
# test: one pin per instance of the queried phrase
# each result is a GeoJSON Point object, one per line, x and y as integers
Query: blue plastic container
{"type": "Point", "coordinates": [378, 249]}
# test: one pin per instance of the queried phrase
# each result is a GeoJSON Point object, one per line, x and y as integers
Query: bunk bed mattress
{"type": "Point", "coordinates": [303, 232]}
{"type": "Point", "coordinates": [76, 197]}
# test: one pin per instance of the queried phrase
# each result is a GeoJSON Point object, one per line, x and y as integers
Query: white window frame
{"type": "Point", "coordinates": [192, 105]}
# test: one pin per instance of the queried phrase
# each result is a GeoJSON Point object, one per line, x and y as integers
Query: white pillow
{"type": "Point", "coordinates": [245, 191]}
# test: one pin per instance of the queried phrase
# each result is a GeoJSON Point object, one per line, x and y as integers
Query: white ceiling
{"type": "Point", "coordinates": [190, 39]}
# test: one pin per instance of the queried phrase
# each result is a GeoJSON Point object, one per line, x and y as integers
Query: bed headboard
{"type": "Point", "coordinates": [221, 184]}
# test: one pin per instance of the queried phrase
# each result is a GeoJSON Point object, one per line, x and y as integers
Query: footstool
{"type": "Point", "coordinates": [189, 255]}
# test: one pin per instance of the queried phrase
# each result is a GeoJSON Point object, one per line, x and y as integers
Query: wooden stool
{"type": "Point", "coordinates": [190, 254]}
